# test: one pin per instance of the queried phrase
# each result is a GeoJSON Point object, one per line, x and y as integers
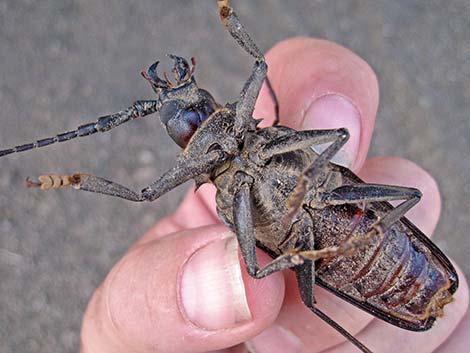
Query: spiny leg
{"type": "Point", "coordinates": [360, 193]}
{"type": "Point", "coordinates": [299, 140]}
{"type": "Point", "coordinates": [305, 268]}
{"type": "Point", "coordinates": [243, 221]}
{"type": "Point", "coordinates": [252, 87]}
{"type": "Point", "coordinates": [302, 140]}
{"type": "Point", "coordinates": [306, 278]}
{"type": "Point", "coordinates": [315, 176]}
{"type": "Point", "coordinates": [273, 96]}
{"type": "Point", "coordinates": [230, 20]}
{"type": "Point", "coordinates": [340, 329]}
{"type": "Point", "coordinates": [352, 194]}
{"type": "Point", "coordinates": [105, 123]}
{"type": "Point", "coordinates": [248, 97]}
{"type": "Point", "coordinates": [184, 170]}
{"type": "Point", "coordinates": [85, 182]}
{"type": "Point", "coordinates": [305, 274]}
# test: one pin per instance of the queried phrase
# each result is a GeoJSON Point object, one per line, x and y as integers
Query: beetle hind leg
{"type": "Point", "coordinates": [245, 231]}
{"type": "Point", "coordinates": [305, 274]}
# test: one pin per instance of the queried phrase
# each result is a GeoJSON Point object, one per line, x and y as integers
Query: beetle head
{"type": "Point", "coordinates": [184, 105]}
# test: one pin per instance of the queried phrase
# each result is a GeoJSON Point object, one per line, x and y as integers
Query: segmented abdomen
{"type": "Point", "coordinates": [397, 274]}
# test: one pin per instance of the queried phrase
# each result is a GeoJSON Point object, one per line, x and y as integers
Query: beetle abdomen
{"type": "Point", "coordinates": [394, 274]}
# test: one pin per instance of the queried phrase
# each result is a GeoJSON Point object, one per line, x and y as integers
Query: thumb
{"type": "Point", "coordinates": [177, 294]}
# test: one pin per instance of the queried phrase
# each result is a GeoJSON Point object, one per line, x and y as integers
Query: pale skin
{"type": "Point", "coordinates": [117, 320]}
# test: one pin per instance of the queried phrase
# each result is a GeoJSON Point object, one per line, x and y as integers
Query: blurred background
{"type": "Point", "coordinates": [65, 62]}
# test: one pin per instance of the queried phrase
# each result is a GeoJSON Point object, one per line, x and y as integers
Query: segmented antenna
{"type": "Point", "coordinates": [83, 130]}
{"type": "Point", "coordinates": [105, 123]}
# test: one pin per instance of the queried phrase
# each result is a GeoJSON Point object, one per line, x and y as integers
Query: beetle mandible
{"type": "Point", "coordinates": [312, 216]}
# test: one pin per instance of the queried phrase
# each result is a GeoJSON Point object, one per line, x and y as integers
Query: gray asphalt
{"type": "Point", "coordinates": [64, 62]}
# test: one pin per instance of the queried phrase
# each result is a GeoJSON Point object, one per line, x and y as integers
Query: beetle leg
{"type": "Point", "coordinates": [360, 193]}
{"type": "Point", "coordinates": [388, 193]}
{"type": "Point", "coordinates": [315, 175]}
{"type": "Point", "coordinates": [244, 229]}
{"type": "Point", "coordinates": [275, 101]}
{"type": "Point", "coordinates": [184, 170]}
{"type": "Point", "coordinates": [305, 274]}
{"type": "Point", "coordinates": [301, 140]}
{"type": "Point", "coordinates": [252, 87]}
{"type": "Point", "coordinates": [340, 329]}
{"type": "Point", "coordinates": [230, 20]}
{"type": "Point", "coordinates": [248, 97]}
{"type": "Point", "coordinates": [306, 271]}
{"type": "Point", "coordinates": [86, 182]}
{"type": "Point", "coordinates": [105, 123]}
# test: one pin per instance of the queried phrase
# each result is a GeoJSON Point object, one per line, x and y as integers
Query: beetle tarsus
{"type": "Point", "coordinates": [32, 184]}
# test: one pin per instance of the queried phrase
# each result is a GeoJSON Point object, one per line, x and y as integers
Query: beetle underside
{"type": "Point", "coordinates": [312, 216]}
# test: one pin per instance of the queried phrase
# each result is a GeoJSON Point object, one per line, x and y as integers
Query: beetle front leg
{"type": "Point", "coordinates": [250, 92]}
{"type": "Point", "coordinates": [230, 20]}
{"type": "Point", "coordinates": [248, 97]}
{"type": "Point", "coordinates": [185, 169]}
{"type": "Point", "coordinates": [85, 182]}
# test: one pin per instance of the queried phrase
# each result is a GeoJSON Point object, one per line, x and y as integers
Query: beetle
{"type": "Point", "coordinates": [312, 216]}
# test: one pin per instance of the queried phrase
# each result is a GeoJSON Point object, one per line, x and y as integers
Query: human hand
{"type": "Point", "coordinates": [183, 288]}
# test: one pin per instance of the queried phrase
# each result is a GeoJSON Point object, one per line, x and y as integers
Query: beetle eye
{"type": "Point", "coordinates": [182, 121]}
{"type": "Point", "coordinates": [182, 127]}
{"type": "Point", "coordinates": [169, 110]}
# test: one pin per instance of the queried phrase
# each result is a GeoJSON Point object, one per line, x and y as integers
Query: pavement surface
{"type": "Point", "coordinates": [64, 63]}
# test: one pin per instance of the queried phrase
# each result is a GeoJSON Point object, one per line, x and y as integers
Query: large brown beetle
{"type": "Point", "coordinates": [275, 192]}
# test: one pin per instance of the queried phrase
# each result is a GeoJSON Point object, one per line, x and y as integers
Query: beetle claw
{"type": "Point", "coordinates": [32, 184]}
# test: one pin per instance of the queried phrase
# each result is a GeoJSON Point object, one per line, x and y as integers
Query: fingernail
{"type": "Point", "coordinates": [212, 290]}
{"type": "Point", "coordinates": [333, 111]}
{"type": "Point", "coordinates": [275, 339]}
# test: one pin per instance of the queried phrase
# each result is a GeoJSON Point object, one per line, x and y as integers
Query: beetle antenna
{"type": "Point", "coordinates": [104, 123]}
{"type": "Point", "coordinates": [340, 329]}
